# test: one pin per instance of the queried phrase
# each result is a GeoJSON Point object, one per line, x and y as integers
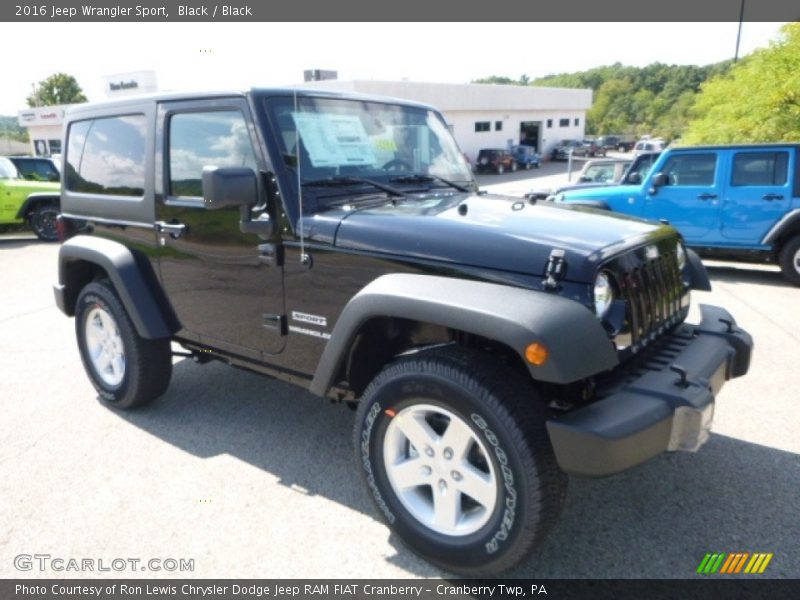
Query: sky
{"type": "Point", "coordinates": [218, 56]}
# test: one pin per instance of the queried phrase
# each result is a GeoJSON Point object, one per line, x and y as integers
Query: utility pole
{"type": "Point", "coordinates": [739, 33]}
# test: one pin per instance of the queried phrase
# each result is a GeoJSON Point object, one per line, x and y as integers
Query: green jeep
{"type": "Point", "coordinates": [36, 202]}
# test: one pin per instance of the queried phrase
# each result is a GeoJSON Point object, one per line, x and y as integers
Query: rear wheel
{"type": "Point", "coordinates": [126, 369]}
{"type": "Point", "coordinates": [513, 167]}
{"type": "Point", "coordinates": [42, 220]}
{"type": "Point", "coordinates": [454, 451]}
{"type": "Point", "coordinates": [790, 260]}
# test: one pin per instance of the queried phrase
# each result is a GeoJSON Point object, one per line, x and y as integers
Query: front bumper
{"type": "Point", "coordinates": [663, 401]}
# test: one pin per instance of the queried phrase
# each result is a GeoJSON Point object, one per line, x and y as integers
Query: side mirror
{"type": "Point", "coordinates": [229, 186]}
{"type": "Point", "coordinates": [659, 180]}
{"type": "Point", "coordinates": [634, 179]}
{"type": "Point", "coordinates": [584, 179]}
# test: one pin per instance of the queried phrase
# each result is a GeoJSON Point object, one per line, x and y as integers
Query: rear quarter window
{"type": "Point", "coordinates": [107, 156]}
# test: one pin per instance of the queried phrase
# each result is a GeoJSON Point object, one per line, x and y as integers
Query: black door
{"type": "Point", "coordinates": [225, 294]}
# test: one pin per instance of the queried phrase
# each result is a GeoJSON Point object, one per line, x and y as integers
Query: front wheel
{"type": "Point", "coordinates": [454, 451]}
{"type": "Point", "coordinates": [513, 167]}
{"type": "Point", "coordinates": [500, 169]}
{"type": "Point", "coordinates": [126, 369]}
{"type": "Point", "coordinates": [43, 220]}
{"type": "Point", "coordinates": [790, 260]}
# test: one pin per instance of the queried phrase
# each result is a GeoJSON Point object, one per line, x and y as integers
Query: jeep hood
{"type": "Point", "coordinates": [488, 231]}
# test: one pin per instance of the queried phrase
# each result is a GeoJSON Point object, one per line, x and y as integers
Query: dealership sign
{"type": "Point", "coordinates": [43, 115]}
{"type": "Point", "coordinates": [126, 84]}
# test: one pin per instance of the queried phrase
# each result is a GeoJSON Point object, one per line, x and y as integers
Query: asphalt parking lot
{"type": "Point", "coordinates": [255, 478]}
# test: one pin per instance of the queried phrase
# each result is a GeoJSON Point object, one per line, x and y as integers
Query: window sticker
{"type": "Point", "coordinates": [334, 140]}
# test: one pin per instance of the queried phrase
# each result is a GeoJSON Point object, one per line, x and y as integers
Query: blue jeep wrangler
{"type": "Point", "coordinates": [740, 202]}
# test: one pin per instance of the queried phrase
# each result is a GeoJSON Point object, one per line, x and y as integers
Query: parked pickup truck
{"type": "Point", "coordinates": [741, 202]}
{"type": "Point", "coordinates": [620, 143]}
{"type": "Point", "coordinates": [339, 242]}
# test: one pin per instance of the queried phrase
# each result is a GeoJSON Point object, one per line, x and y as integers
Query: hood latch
{"type": "Point", "coordinates": [556, 266]}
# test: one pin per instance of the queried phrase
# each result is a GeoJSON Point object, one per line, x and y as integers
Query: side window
{"type": "Point", "coordinates": [690, 169]}
{"type": "Point", "coordinates": [760, 168]}
{"type": "Point", "coordinates": [199, 139]}
{"type": "Point", "coordinates": [106, 156]}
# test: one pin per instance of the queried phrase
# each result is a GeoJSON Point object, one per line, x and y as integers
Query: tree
{"type": "Point", "coordinates": [59, 88]}
{"type": "Point", "coordinates": [758, 100]}
{"type": "Point", "coordinates": [497, 80]}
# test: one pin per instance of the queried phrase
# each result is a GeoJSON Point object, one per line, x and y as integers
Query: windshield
{"type": "Point", "coordinates": [334, 138]}
{"type": "Point", "coordinates": [598, 173]}
{"type": "Point", "coordinates": [7, 169]}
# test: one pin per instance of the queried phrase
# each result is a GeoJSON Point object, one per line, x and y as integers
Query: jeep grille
{"type": "Point", "coordinates": [654, 295]}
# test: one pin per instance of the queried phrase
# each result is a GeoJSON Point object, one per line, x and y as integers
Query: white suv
{"type": "Point", "coordinates": [649, 145]}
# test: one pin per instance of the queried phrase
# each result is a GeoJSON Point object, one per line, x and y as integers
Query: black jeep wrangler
{"type": "Point", "coordinates": [491, 345]}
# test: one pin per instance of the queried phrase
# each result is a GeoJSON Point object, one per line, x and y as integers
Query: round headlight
{"type": "Point", "coordinates": [603, 294]}
{"type": "Point", "coordinates": [680, 254]}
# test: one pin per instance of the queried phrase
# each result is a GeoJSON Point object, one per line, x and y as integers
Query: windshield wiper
{"type": "Point", "coordinates": [426, 178]}
{"type": "Point", "coordinates": [345, 181]}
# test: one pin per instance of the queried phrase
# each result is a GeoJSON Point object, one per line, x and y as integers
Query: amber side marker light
{"type": "Point", "coordinates": [536, 354]}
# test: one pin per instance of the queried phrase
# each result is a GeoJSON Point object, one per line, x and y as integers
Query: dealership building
{"type": "Point", "coordinates": [479, 115]}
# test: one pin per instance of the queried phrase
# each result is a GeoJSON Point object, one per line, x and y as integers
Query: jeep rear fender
{"type": "Point", "coordinates": [34, 199]}
{"type": "Point", "coordinates": [577, 344]}
{"type": "Point", "coordinates": [150, 317]}
{"type": "Point", "coordinates": [789, 224]}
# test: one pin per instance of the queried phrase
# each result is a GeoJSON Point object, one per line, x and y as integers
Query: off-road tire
{"type": "Point", "coordinates": [147, 363]}
{"type": "Point", "coordinates": [42, 220]}
{"type": "Point", "coordinates": [505, 415]}
{"type": "Point", "coordinates": [789, 260]}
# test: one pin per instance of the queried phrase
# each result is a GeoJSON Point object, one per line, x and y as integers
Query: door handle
{"type": "Point", "coordinates": [706, 196]}
{"type": "Point", "coordinates": [771, 197]}
{"type": "Point", "coordinates": [174, 230]}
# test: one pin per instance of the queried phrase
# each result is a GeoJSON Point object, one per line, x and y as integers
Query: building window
{"type": "Point", "coordinates": [482, 126]}
{"type": "Point", "coordinates": [549, 123]}
{"type": "Point", "coordinates": [498, 126]}
{"type": "Point", "coordinates": [577, 122]}
{"type": "Point", "coordinates": [563, 122]}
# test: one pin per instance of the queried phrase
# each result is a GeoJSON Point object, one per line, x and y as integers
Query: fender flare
{"type": "Point", "coordinates": [577, 344]}
{"type": "Point", "coordinates": [789, 222]}
{"type": "Point", "coordinates": [34, 199]}
{"type": "Point", "coordinates": [698, 275]}
{"type": "Point", "coordinates": [150, 317]}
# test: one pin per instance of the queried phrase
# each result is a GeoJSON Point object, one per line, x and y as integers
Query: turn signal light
{"type": "Point", "coordinates": [536, 354]}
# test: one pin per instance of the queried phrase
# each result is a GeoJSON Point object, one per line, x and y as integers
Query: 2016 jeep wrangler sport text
{"type": "Point", "coordinates": [339, 242]}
